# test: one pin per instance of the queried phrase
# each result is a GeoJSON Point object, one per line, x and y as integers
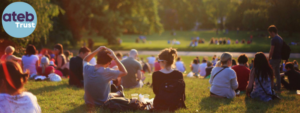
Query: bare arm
{"type": "Point", "coordinates": [251, 81]}
{"type": "Point", "coordinates": [15, 58]}
{"type": "Point", "coordinates": [59, 61]}
{"type": "Point", "coordinates": [89, 57]}
{"type": "Point", "coordinates": [122, 69]}
{"type": "Point", "coordinates": [271, 52]}
{"type": "Point", "coordinates": [139, 75]}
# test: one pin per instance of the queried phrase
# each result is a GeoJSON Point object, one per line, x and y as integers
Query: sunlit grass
{"type": "Point", "coordinates": [58, 97]}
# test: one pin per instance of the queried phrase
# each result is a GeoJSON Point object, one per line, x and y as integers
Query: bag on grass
{"type": "Point", "coordinates": [121, 104]}
{"type": "Point", "coordinates": [191, 74]}
{"type": "Point", "coordinates": [54, 77]}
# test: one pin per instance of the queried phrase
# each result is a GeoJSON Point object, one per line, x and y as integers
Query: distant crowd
{"type": "Point", "coordinates": [105, 77]}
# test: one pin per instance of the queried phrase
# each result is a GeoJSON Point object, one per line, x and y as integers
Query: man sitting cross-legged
{"type": "Point", "coordinates": [97, 78]}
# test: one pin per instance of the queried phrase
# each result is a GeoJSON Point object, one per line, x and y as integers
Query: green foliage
{"type": "Point", "coordinates": [255, 19]}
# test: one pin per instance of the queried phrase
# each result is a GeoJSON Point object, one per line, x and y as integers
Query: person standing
{"type": "Point", "coordinates": [134, 68]}
{"type": "Point", "coordinates": [275, 54]}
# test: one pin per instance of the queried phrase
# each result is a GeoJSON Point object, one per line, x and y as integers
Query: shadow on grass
{"type": "Point", "coordinates": [211, 104]}
{"type": "Point", "coordinates": [51, 88]}
{"type": "Point", "coordinates": [258, 106]}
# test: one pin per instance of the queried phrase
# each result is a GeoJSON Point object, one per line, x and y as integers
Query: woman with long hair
{"type": "Point", "coordinates": [223, 79]}
{"type": "Point", "coordinates": [13, 98]}
{"type": "Point", "coordinates": [60, 59]}
{"type": "Point", "coordinates": [161, 80]}
{"type": "Point", "coordinates": [261, 79]}
{"type": "Point", "coordinates": [30, 61]}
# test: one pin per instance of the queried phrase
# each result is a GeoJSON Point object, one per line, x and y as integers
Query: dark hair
{"type": "Point", "coordinates": [48, 56]}
{"type": "Point", "coordinates": [243, 59]}
{"type": "Point", "coordinates": [214, 58]}
{"type": "Point", "coordinates": [60, 48]}
{"type": "Point", "coordinates": [233, 62]}
{"type": "Point", "coordinates": [204, 60]}
{"type": "Point", "coordinates": [289, 65]}
{"type": "Point", "coordinates": [84, 50]}
{"type": "Point", "coordinates": [262, 66]}
{"type": "Point", "coordinates": [195, 61]}
{"type": "Point", "coordinates": [103, 58]}
{"type": "Point", "coordinates": [252, 60]}
{"type": "Point", "coordinates": [272, 28]}
{"type": "Point", "coordinates": [169, 55]}
{"type": "Point", "coordinates": [119, 55]}
{"type": "Point", "coordinates": [13, 80]}
{"type": "Point", "coordinates": [178, 58]}
{"type": "Point", "coordinates": [30, 50]}
{"type": "Point", "coordinates": [67, 54]}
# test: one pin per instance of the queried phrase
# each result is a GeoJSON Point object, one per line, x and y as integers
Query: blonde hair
{"type": "Point", "coordinates": [9, 49]}
{"type": "Point", "coordinates": [218, 64]}
{"type": "Point", "coordinates": [225, 57]}
{"type": "Point", "coordinates": [44, 63]}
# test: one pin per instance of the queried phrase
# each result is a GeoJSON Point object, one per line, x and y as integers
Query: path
{"type": "Point", "coordinates": [202, 53]}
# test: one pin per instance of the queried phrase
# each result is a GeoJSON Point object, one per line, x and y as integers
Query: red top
{"type": "Point", "coordinates": [48, 70]}
{"type": "Point", "coordinates": [3, 58]}
{"type": "Point", "coordinates": [156, 66]}
{"type": "Point", "coordinates": [242, 73]}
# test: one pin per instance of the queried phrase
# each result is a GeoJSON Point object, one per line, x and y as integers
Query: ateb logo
{"type": "Point", "coordinates": [19, 19]}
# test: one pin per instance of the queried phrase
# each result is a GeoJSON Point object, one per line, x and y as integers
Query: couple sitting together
{"type": "Point", "coordinates": [97, 79]}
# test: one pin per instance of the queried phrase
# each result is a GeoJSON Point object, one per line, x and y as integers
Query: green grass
{"type": "Point", "coordinates": [58, 97]}
{"type": "Point", "coordinates": [159, 41]}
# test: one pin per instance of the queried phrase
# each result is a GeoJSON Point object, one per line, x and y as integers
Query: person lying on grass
{"type": "Point", "coordinates": [13, 98]}
{"type": "Point", "coordinates": [97, 78]}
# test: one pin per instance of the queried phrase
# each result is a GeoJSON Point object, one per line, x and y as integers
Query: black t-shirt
{"type": "Point", "coordinates": [158, 78]}
{"type": "Point", "coordinates": [76, 71]}
{"type": "Point", "coordinates": [294, 78]}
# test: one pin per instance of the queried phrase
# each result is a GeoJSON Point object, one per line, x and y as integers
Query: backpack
{"type": "Point", "coordinates": [121, 104]}
{"type": "Point", "coordinates": [285, 51]}
{"type": "Point", "coordinates": [171, 95]}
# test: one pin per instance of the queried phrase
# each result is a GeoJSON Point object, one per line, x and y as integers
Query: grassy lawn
{"type": "Point", "coordinates": [58, 97]}
{"type": "Point", "coordinates": [159, 41]}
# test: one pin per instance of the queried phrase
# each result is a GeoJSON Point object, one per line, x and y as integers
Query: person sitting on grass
{"type": "Point", "coordinates": [180, 65]}
{"type": "Point", "coordinates": [30, 61]}
{"type": "Point", "coordinates": [156, 65]}
{"type": "Point", "coordinates": [76, 67]}
{"type": "Point", "coordinates": [134, 68]}
{"type": "Point", "coordinates": [212, 40]}
{"type": "Point", "coordinates": [8, 56]}
{"type": "Point", "coordinates": [202, 67]}
{"type": "Point", "coordinates": [45, 69]}
{"type": "Point", "coordinates": [113, 63]}
{"type": "Point", "coordinates": [236, 41]}
{"type": "Point", "coordinates": [97, 78]}
{"type": "Point", "coordinates": [168, 77]}
{"type": "Point", "coordinates": [293, 77]}
{"type": "Point", "coordinates": [60, 59]}
{"type": "Point", "coordinates": [208, 69]}
{"type": "Point", "coordinates": [242, 72]}
{"type": "Point", "coordinates": [228, 41]}
{"type": "Point", "coordinates": [195, 68]}
{"type": "Point", "coordinates": [223, 79]}
{"type": "Point", "coordinates": [13, 97]}
{"type": "Point", "coordinates": [261, 79]}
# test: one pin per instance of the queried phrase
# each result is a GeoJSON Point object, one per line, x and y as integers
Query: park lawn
{"type": "Point", "coordinates": [58, 97]}
{"type": "Point", "coordinates": [159, 41]}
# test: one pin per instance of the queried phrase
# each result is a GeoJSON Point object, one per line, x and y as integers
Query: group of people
{"type": "Point", "coordinates": [104, 78]}
{"type": "Point", "coordinates": [196, 41]}
{"type": "Point", "coordinates": [223, 41]}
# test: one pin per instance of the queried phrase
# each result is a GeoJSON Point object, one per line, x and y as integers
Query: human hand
{"type": "Point", "coordinates": [111, 53]}
{"type": "Point", "coordinates": [101, 48]}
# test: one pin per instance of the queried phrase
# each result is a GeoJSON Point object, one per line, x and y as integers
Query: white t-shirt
{"type": "Point", "coordinates": [23, 103]}
{"type": "Point", "coordinates": [151, 60]}
{"type": "Point", "coordinates": [93, 61]}
{"type": "Point", "coordinates": [29, 63]}
{"type": "Point", "coordinates": [180, 66]}
{"type": "Point", "coordinates": [202, 69]}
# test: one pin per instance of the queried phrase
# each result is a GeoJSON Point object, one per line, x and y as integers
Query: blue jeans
{"type": "Point", "coordinates": [275, 63]}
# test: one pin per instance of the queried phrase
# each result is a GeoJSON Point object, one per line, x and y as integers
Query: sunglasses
{"type": "Point", "coordinates": [160, 60]}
